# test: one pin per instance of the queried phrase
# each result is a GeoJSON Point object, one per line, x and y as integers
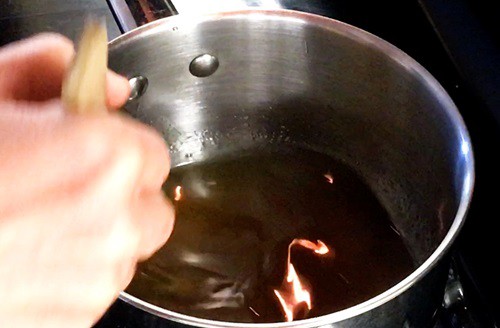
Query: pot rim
{"type": "Point", "coordinates": [404, 60]}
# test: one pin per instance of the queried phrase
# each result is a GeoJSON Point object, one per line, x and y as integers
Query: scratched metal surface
{"type": "Point", "coordinates": [22, 18]}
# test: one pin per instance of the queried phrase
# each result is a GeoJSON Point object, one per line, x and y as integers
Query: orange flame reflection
{"type": "Point", "coordinates": [178, 193]}
{"type": "Point", "coordinates": [292, 295]}
{"type": "Point", "coordinates": [329, 177]}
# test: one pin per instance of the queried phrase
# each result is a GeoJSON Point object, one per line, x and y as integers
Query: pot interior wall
{"type": "Point", "coordinates": [322, 86]}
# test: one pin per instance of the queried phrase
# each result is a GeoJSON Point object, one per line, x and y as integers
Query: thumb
{"type": "Point", "coordinates": [34, 69]}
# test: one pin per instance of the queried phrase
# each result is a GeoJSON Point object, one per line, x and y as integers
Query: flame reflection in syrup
{"type": "Point", "coordinates": [292, 295]}
{"type": "Point", "coordinates": [178, 193]}
{"type": "Point", "coordinates": [329, 177]}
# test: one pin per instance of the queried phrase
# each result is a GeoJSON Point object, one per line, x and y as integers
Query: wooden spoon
{"type": "Point", "coordinates": [84, 86]}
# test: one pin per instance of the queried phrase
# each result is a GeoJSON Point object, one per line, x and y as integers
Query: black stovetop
{"type": "Point", "coordinates": [454, 40]}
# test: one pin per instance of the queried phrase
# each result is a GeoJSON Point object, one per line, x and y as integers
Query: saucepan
{"type": "Point", "coordinates": [222, 84]}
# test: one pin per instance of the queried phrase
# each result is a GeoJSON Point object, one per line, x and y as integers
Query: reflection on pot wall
{"type": "Point", "coordinates": [202, 6]}
{"type": "Point", "coordinates": [133, 13]}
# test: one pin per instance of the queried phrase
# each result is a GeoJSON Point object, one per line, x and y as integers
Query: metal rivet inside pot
{"type": "Point", "coordinates": [138, 86]}
{"type": "Point", "coordinates": [204, 65]}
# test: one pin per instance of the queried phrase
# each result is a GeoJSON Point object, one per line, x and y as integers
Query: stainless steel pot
{"type": "Point", "coordinates": [261, 77]}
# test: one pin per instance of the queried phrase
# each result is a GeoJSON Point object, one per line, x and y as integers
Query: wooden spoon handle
{"type": "Point", "coordinates": [84, 86]}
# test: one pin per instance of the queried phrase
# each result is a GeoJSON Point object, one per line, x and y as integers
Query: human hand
{"type": "Point", "coordinates": [80, 195]}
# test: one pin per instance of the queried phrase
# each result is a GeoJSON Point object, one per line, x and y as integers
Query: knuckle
{"type": "Point", "coordinates": [123, 241]}
{"type": "Point", "coordinates": [168, 221]}
{"type": "Point", "coordinates": [96, 145]}
{"type": "Point", "coordinates": [52, 38]}
{"type": "Point", "coordinates": [158, 227]}
{"type": "Point", "coordinates": [127, 146]}
{"type": "Point", "coordinates": [158, 146]}
{"type": "Point", "coordinates": [111, 149]}
{"type": "Point", "coordinates": [125, 274]}
{"type": "Point", "coordinates": [116, 271]}
{"type": "Point", "coordinates": [101, 295]}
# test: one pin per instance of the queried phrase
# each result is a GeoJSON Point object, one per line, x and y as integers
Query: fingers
{"type": "Point", "coordinates": [33, 70]}
{"type": "Point", "coordinates": [156, 159]}
{"type": "Point", "coordinates": [154, 215]}
{"type": "Point", "coordinates": [152, 212]}
{"type": "Point", "coordinates": [112, 158]}
{"type": "Point", "coordinates": [118, 90]}
{"type": "Point", "coordinates": [98, 180]}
